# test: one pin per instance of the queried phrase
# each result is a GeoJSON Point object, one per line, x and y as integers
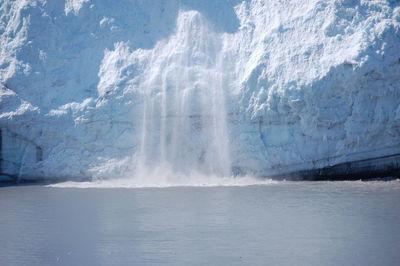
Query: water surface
{"type": "Point", "coordinates": [284, 223]}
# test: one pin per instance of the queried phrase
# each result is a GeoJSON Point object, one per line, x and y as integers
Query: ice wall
{"type": "Point", "coordinates": [300, 84]}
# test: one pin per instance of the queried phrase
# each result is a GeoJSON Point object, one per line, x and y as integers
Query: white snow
{"type": "Point", "coordinates": [264, 87]}
{"type": "Point", "coordinates": [74, 6]}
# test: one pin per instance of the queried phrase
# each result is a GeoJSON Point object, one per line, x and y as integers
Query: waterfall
{"type": "Point", "coordinates": [184, 115]}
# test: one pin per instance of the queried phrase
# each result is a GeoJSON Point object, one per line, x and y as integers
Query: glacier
{"type": "Point", "coordinates": [105, 89]}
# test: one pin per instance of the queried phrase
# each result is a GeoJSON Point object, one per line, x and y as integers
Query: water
{"type": "Point", "coordinates": [278, 223]}
{"type": "Point", "coordinates": [184, 119]}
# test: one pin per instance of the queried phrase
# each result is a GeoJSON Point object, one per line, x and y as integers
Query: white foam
{"type": "Point", "coordinates": [158, 179]}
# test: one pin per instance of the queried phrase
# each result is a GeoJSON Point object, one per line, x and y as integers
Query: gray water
{"type": "Point", "coordinates": [310, 223]}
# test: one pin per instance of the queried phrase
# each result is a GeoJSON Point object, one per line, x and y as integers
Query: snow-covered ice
{"type": "Point", "coordinates": [98, 89]}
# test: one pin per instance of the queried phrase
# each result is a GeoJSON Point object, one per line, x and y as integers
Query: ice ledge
{"type": "Point", "coordinates": [378, 167]}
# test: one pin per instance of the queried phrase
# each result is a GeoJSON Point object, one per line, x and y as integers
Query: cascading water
{"type": "Point", "coordinates": [180, 106]}
{"type": "Point", "coordinates": [180, 101]}
{"type": "Point", "coordinates": [184, 118]}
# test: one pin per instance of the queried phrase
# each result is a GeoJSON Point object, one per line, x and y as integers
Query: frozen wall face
{"type": "Point", "coordinates": [97, 89]}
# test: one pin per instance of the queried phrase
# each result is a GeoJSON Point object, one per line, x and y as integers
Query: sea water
{"type": "Point", "coordinates": [273, 223]}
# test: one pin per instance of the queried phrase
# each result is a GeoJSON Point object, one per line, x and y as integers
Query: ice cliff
{"type": "Point", "coordinates": [98, 88]}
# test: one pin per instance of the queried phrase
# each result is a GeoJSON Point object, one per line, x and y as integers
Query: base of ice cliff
{"type": "Point", "coordinates": [97, 89]}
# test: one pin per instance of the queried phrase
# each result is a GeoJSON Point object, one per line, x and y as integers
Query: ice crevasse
{"type": "Point", "coordinates": [103, 89]}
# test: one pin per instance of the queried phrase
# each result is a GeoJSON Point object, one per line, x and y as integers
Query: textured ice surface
{"type": "Point", "coordinates": [302, 84]}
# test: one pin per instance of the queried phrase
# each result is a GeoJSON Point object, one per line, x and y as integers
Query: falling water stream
{"type": "Point", "coordinates": [184, 120]}
{"type": "Point", "coordinates": [181, 117]}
